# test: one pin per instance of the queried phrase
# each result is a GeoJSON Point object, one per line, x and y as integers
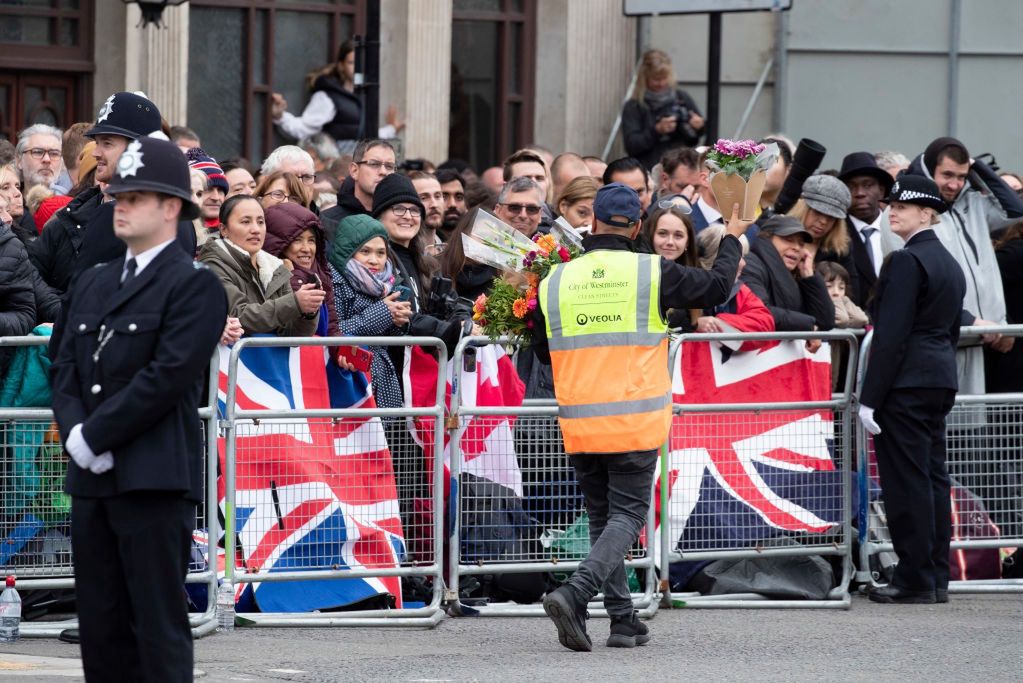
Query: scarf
{"type": "Point", "coordinates": [659, 101]}
{"type": "Point", "coordinates": [376, 285]}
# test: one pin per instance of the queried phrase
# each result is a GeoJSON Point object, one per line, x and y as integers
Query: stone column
{"type": "Point", "coordinates": [428, 79]}
{"type": "Point", "coordinates": [156, 61]}
{"type": "Point", "coordinates": [585, 57]}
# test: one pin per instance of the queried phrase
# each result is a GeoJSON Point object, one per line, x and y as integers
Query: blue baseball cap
{"type": "Point", "coordinates": [616, 199]}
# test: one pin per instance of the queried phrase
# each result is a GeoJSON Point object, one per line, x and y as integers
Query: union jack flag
{"type": "Point", "coordinates": [486, 443]}
{"type": "Point", "coordinates": [739, 478]}
{"type": "Point", "coordinates": [311, 494]}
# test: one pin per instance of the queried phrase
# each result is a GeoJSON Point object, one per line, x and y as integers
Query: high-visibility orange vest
{"type": "Point", "coordinates": [609, 351]}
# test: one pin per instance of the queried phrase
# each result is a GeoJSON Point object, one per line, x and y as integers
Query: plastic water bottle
{"type": "Point", "coordinates": [225, 607]}
{"type": "Point", "coordinates": [10, 613]}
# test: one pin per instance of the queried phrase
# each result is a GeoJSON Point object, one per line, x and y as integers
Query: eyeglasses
{"type": "Point", "coordinates": [281, 196]}
{"type": "Point", "coordinates": [677, 201]}
{"type": "Point", "coordinates": [377, 165]}
{"type": "Point", "coordinates": [516, 209]}
{"type": "Point", "coordinates": [400, 210]}
{"type": "Point", "coordinates": [306, 178]}
{"type": "Point", "coordinates": [39, 153]}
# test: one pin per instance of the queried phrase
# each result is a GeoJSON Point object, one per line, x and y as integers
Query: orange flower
{"type": "Point", "coordinates": [533, 279]}
{"type": "Point", "coordinates": [547, 243]}
{"type": "Point", "coordinates": [531, 292]}
{"type": "Point", "coordinates": [519, 308]}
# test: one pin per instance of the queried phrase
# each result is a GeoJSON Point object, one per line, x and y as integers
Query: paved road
{"type": "Point", "coordinates": [972, 638]}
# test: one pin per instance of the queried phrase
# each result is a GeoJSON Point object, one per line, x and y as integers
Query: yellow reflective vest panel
{"type": "Point", "coordinates": [609, 352]}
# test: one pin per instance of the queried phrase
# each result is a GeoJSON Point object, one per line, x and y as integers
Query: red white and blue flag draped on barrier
{"type": "Point", "coordinates": [738, 478]}
{"type": "Point", "coordinates": [311, 494]}
{"type": "Point", "coordinates": [486, 444]}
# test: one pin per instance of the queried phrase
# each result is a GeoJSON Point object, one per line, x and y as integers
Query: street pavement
{"type": "Point", "coordinates": [974, 637]}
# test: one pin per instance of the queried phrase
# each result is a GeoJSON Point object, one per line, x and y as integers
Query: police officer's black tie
{"type": "Point", "coordinates": [129, 271]}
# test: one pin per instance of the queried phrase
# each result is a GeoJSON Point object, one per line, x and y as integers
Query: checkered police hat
{"type": "Point", "coordinates": [916, 189]}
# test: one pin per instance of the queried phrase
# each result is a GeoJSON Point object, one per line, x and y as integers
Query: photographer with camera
{"type": "Point", "coordinates": [660, 115]}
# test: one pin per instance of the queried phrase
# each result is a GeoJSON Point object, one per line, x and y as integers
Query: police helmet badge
{"type": "Point", "coordinates": [105, 110]}
{"type": "Point", "coordinates": [131, 160]}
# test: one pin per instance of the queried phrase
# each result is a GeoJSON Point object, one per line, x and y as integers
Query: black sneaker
{"type": "Point", "coordinates": [569, 615]}
{"type": "Point", "coordinates": [628, 631]}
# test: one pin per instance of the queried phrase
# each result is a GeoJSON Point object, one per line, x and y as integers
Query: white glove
{"type": "Point", "coordinates": [867, 418]}
{"type": "Point", "coordinates": [102, 463]}
{"type": "Point", "coordinates": [78, 449]}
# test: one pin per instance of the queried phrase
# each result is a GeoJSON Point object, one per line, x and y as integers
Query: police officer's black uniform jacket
{"type": "Point", "coordinates": [916, 312]}
{"type": "Point", "coordinates": [130, 365]}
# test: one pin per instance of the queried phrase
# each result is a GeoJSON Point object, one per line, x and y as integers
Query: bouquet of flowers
{"type": "Point", "coordinates": [739, 173]}
{"type": "Point", "coordinates": [503, 310]}
{"type": "Point", "coordinates": [494, 243]}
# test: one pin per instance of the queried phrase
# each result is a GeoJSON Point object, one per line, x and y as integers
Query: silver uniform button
{"type": "Point", "coordinates": [132, 327]}
{"type": "Point", "coordinates": [81, 328]}
{"type": "Point", "coordinates": [96, 388]}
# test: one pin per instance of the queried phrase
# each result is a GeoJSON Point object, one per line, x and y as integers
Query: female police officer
{"type": "Point", "coordinates": [909, 388]}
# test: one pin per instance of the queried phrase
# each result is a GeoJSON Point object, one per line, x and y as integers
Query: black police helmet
{"type": "Point", "coordinates": [152, 165]}
{"type": "Point", "coordinates": [127, 114]}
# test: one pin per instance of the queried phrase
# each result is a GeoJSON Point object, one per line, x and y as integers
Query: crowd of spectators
{"type": "Point", "coordinates": [334, 236]}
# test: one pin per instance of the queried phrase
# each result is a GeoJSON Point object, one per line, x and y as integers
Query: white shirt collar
{"type": "Point", "coordinates": [145, 258]}
{"type": "Point", "coordinates": [711, 214]}
{"type": "Point", "coordinates": [860, 225]}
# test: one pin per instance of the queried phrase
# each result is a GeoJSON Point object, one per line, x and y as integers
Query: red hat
{"type": "Point", "coordinates": [48, 207]}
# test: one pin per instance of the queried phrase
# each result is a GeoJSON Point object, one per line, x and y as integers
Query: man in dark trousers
{"type": "Point", "coordinates": [868, 184]}
{"type": "Point", "coordinates": [132, 349]}
{"type": "Point", "coordinates": [603, 329]}
{"type": "Point", "coordinates": [909, 388]}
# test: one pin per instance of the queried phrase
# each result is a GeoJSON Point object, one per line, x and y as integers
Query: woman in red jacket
{"type": "Point", "coordinates": [743, 311]}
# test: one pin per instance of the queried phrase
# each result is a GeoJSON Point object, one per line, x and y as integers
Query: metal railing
{"type": "Point", "coordinates": [835, 541]}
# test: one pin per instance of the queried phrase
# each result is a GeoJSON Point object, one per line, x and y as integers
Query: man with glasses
{"type": "Point", "coordinates": [38, 155]}
{"type": "Point", "coordinates": [519, 205]}
{"type": "Point", "coordinates": [372, 161]}
{"type": "Point", "coordinates": [527, 163]}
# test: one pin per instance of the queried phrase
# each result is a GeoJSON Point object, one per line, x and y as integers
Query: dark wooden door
{"type": "Point", "coordinates": [45, 63]}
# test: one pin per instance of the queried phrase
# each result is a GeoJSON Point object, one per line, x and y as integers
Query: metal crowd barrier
{"type": "Point", "coordinates": [33, 481]}
{"type": "Point", "coordinates": [984, 459]}
{"type": "Point", "coordinates": [239, 422]}
{"type": "Point", "coordinates": [836, 541]}
{"type": "Point", "coordinates": [551, 496]}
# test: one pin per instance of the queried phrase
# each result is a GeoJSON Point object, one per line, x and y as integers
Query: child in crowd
{"type": "Point", "coordinates": [847, 314]}
{"type": "Point", "coordinates": [366, 305]}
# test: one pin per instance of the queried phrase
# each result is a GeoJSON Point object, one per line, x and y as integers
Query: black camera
{"type": "Point", "coordinates": [446, 315]}
{"type": "Point", "coordinates": [681, 113]}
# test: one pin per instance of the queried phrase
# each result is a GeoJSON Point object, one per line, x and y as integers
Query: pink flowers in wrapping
{"type": "Point", "coordinates": [738, 148]}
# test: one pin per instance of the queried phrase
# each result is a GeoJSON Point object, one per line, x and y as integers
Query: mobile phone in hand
{"type": "Point", "coordinates": [404, 293]}
{"type": "Point", "coordinates": [360, 359]}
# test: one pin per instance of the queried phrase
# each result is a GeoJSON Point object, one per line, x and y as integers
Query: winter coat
{"type": "Point", "coordinates": [284, 223]}
{"type": "Point", "coordinates": [17, 299]}
{"type": "Point", "coordinates": [965, 231]}
{"type": "Point", "coordinates": [849, 316]}
{"type": "Point", "coordinates": [347, 205]}
{"type": "Point", "coordinates": [797, 305]}
{"type": "Point", "coordinates": [642, 140]}
{"type": "Point", "coordinates": [261, 299]}
{"type": "Point", "coordinates": [360, 315]}
{"type": "Point", "coordinates": [54, 253]}
{"type": "Point", "coordinates": [1005, 370]}
{"type": "Point", "coordinates": [744, 311]}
